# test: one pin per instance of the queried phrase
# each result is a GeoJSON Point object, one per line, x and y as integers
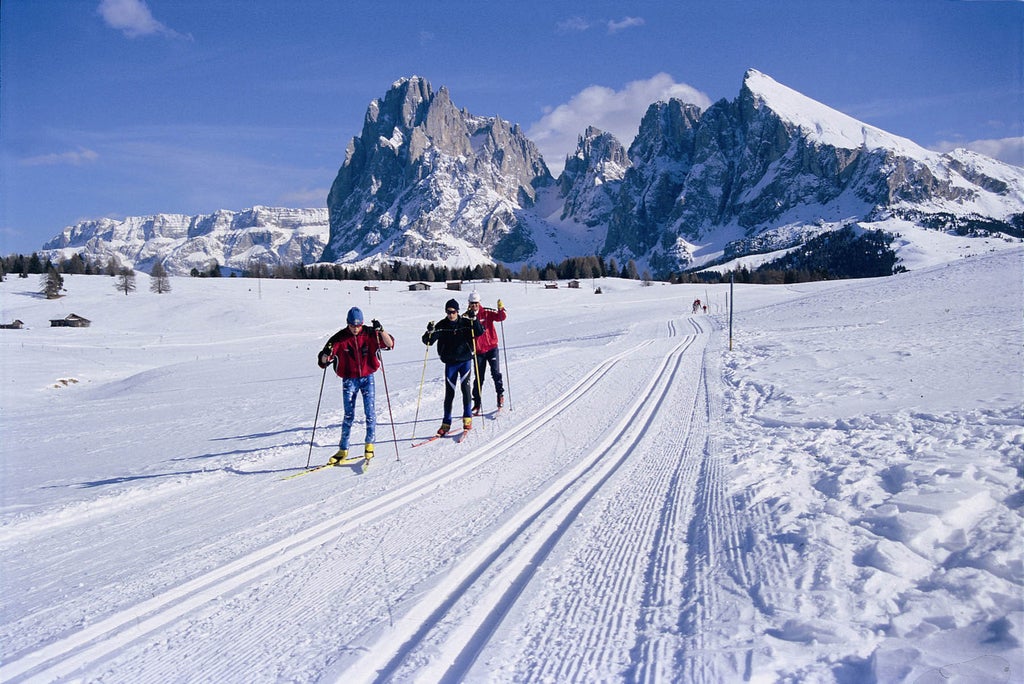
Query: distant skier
{"type": "Point", "coordinates": [486, 350]}
{"type": "Point", "coordinates": [696, 305]}
{"type": "Point", "coordinates": [454, 335]}
{"type": "Point", "coordinates": [354, 350]}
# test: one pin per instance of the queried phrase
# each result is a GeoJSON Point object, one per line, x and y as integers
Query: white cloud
{"type": "Point", "coordinates": [73, 157]}
{"type": "Point", "coordinates": [133, 18]}
{"type": "Point", "coordinates": [624, 23]}
{"type": "Point", "coordinates": [574, 24]}
{"type": "Point", "coordinates": [616, 111]}
{"type": "Point", "coordinates": [1009, 150]}
{"type": "Point", "coordinates": [580, 24]}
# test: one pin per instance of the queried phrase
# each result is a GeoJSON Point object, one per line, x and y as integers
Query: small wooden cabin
{"type": "Point", "coordinates": [416, 287]}
{"type": "Point", "coordinates": [13, 325]}
{"type": "Point", "coordinates": [71, 321]}
{"type": "Point", "coordinates": [453, 285]}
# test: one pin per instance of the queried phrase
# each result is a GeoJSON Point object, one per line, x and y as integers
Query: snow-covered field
{"type": "Point", "coordinates": [836, 498]}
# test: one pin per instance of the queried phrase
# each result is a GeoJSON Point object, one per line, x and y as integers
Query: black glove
{"type": "Point", "coordinates": [470, 314]}
{"type": "Point", "coordinates": [377, 327]}
{"type": "Point", "coordinates": [324, 359]}
{"type": "Point", "coordinates": [430, 326]}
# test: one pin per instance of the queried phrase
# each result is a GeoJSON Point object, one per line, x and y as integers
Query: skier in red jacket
{"type": "Point", "coordinates": [354, 350]}
{"type": "Point", "coordinates": [486, 350]}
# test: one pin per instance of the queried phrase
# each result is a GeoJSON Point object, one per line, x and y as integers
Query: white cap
{"type": "Point", "coordinates": [474, 297]}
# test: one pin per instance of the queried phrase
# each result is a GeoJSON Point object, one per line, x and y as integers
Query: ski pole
{"type": "Point", "coordinates": [317, 417]}
{"type": "Point", "coordinates": [419, 395]}
{"type": "Point", "coordinates": [387, 396]}
{"type": "Point", "coordinates": [504, 352]}
{"type": "Point", "coordinates": [476, 368]}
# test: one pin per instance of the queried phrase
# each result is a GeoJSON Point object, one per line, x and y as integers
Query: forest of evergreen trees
{"type": "Point", "coordinates": [574, 268]}
{"type": "Point", "coordinates": [840, 254]}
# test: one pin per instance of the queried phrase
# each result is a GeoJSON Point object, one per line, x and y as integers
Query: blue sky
{"type": "Point", "coordinates": [133, 107]}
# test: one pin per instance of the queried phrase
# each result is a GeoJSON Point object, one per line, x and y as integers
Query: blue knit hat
{"type": "Point", "coordinates": [355, 316]}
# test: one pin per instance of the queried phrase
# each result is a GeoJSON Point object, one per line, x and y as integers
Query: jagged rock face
{"type": "Point", "coordinates": [592, 176]}
{"type": "Point", "coordinates": [773, 157]}
{"type": "Point", "coordinates": [270, 236]}
{"type": "Point", "coordinates": [427, 181]}
{"type": "Point", "coordinates": [661, 158]}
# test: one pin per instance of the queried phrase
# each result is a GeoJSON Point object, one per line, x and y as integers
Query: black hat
{"type": "Point", "coordinates": [451, 304]}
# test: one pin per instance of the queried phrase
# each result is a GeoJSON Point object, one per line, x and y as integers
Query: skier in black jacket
{"type": "Point", "coordinates": [455, 336]}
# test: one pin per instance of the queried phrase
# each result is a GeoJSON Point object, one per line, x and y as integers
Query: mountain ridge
{"type": "Point", "coordinates": [427, 182]}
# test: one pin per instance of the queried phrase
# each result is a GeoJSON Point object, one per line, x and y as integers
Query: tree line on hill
{"type": "Point", "coordinates": [835, 255]}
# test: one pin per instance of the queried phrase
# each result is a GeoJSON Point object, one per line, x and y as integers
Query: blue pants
{"type": "Point", "coordinates": [350, 387]}
{"type": "Point", "coordinates": [452, 373]}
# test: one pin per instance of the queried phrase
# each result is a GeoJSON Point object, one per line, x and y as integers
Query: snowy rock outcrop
{"type": "Point", "coordinates": [774, 164]}
{"type": "Point", "coordinates": [425, 181]}
{"type": "Point", "coordinates": [592, 178]}
{"type": "Point", "coordinates": [234, 240]}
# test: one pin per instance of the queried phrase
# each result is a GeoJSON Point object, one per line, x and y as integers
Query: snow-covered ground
{"type": "Point", "coordinates": [835, 498]}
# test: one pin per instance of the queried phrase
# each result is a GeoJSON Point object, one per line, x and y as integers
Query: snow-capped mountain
{"type": "Point", "coordinates": [773, 167]}
{"type": "Point", "coordinates": [428, 182]}
{"type": "Point", "coordinates": [234, 240]}
{"type": "Point", "coordinates": [769, 170]}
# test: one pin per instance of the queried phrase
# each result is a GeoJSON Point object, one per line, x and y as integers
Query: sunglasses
{"type": "Point", "coordinates": [452, 310]}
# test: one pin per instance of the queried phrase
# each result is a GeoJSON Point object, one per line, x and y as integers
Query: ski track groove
{"type": "Point", "coordinates": [717, 629]}
{"type": "Point", "coordinates": [663, 588]}
{"type": "Point", "coordinates": [462, 645]}
{"type": "Point", "coordinates": [682, 497]}
{"type": "Point", "coordinates": [103, 638]}
{"type": "Point", "coordinates": [636, 543]}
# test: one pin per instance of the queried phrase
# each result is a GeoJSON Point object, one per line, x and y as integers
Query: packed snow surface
{"type": "Point", "coordinates": [832, 492]}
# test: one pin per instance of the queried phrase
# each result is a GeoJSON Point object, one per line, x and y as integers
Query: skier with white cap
{"type": "Point", "coordinates": [486, 349]}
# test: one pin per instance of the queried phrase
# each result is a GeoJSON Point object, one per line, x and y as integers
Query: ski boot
{"type": "Point", "coordinates": [338, 457]}
{"type": "Point", "coordinates": [444, 429]}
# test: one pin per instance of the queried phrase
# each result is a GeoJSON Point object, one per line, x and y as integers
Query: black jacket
{"type": "Point", "coordinates": [454, 338]}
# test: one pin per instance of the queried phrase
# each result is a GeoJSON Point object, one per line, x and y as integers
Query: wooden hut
{"type": "Point", "coordinates": [71, 321]}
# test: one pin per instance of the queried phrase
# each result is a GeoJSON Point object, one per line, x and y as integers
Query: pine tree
{"type": "Point", "coordinates": [125, 280]}
{"type": "Point", "coordinates": [52, 283]}
{"type": "Point", "coordinates": [159, 282]}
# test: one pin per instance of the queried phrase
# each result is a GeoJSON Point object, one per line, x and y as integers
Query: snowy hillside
{"type": "Point", "coordinates": [836, 498]}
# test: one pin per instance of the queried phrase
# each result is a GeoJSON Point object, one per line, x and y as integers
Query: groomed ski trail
{"type": "Point", "coordinates": [640, 582]}
{"type": "Point", "coordinates": [87, 649]}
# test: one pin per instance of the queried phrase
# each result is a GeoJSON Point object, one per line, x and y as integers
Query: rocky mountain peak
{"type": "Point", "coordinates": [590, 181]}
{"type": "Point", "coordinates": [428, 181]}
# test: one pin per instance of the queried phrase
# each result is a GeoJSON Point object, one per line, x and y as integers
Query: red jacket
{"type": "Point", "coordinates": [489, 340]}
{"type": "Point", "coordinates": [354, 356]}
